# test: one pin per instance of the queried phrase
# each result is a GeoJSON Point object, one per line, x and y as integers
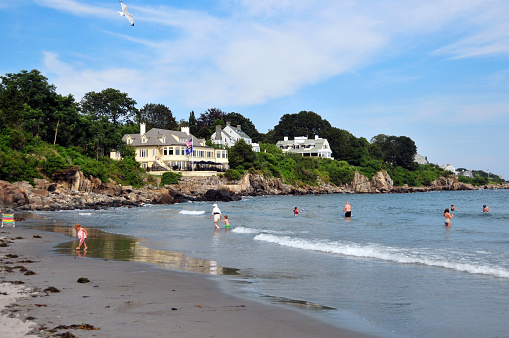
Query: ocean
{"type": "Point", "coordinates": [392, 270]}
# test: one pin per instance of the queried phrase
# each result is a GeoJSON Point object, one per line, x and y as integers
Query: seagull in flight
{"type": "Point", "coordinates": [126, 13]}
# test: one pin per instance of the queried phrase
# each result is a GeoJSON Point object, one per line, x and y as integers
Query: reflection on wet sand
{"type": "Point", "coordinates": [109, 246]}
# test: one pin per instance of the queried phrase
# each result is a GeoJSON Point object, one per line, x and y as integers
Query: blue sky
{"type": "Point", "coordinates": [435, 71]}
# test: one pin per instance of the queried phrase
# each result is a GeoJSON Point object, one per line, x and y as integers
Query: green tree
{"type": "Point", "coordinates": [246, 124]}
{"type": "Point", "coordinates": [305, 123]}
{"type": "Point", "coordinates": [158, 116]}
{"type": "Point", "coordinates": [397, 150]}
{"type": "Point", "coordinates": [192, 123]}
{"type": "Point", "coordinates": [117, 107]}
{"type": "Point", "coordinates": [29, 102]}
{"type": "Point", "coordinates": [241, 154]}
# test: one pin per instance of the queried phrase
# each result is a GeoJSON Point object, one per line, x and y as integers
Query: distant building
{"type": "Point", "coordinates": [228, 136]}
{"type": "Point", "coordinates": [421, 159]}
{"type": "Point", "coordinates": [464, 172]}
{"type": "Point", "coordinates": [450, 168]}
{"type": "Point", "coordinates": [160, 149]}
{"type": "Point", "coordinates": [317, 147]}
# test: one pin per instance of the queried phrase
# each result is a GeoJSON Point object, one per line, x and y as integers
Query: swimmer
{"type": "Point", "coordinates": [448, 217]}
{"type": "Point", "coordinates": [453, 207]}
{"type": "Point", "coordinates": [485, 208]}
{"type": "Point", "coordinates": [297, 212]}
{"type": "Point", "coordinates": [347, 210]}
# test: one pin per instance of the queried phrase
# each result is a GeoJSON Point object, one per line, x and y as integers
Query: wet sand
{"type": "Point", "coordinates": [126, 298]}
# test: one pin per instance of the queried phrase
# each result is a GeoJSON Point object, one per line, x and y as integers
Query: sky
{"type": "Point", "coordinates": [435, 71]}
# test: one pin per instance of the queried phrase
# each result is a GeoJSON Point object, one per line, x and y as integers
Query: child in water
{"type": "Point", "coordinates": [297, 212]}
{"type": "Point", "coordinates": [226, 221]}
{"type": "Point", "coordinates": [82, 236]}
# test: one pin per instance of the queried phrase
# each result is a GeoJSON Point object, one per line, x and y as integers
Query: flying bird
{"type": "Point", "coordinates": [126, 13]}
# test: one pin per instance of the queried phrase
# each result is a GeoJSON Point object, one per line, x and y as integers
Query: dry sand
{"type": "Point", "coordinates": [127, 299]}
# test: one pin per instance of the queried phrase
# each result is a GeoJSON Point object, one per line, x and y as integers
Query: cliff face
{"type": "Point", "coordinates": [71, 190]}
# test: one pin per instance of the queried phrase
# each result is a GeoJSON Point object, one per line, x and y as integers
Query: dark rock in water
{"type": "Point", "coordinates": [83, 280]}
{"type": "Point", "coordinates": [219, 195]}
{"type": "Point", "coordinates": [51, 289]}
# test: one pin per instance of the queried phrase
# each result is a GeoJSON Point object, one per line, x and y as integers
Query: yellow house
{"type": "Point", "coordinates": [164, 150]}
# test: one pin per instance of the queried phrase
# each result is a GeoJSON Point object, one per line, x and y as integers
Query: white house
{"type": "Point", "coordinates": [421, 159]}
{"type": "Point", "coordinates": [317, 147]}
{"type": "Point", "coordinates": [160, 149]}
{"type": "Point", "coordinates": [450, 168]}
{"type": "Point", "coordinates": [228, 136]}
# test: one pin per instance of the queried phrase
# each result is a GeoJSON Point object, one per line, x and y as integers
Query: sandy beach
{"type": "Point", "coordinates": [127, 299]}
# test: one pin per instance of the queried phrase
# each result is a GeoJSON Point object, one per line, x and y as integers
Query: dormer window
{"type": "Point", "coordinates": [163, 139]}
{"type": "Point", "coordinates": [143, 139]}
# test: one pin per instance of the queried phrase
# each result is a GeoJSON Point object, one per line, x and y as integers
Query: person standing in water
{"type": "Point", "coordinates": [226, 222]}
{"type": "Point", "coordinates": [216, 212]}
{"type": "Point", "coordinates": [82, 236]}
{"type": "Point", "coordinates": [448, 217]}
{"type": "Point", "coordinates": [485, 208]}
{"type": "Point", "coordinates": [347, 210]}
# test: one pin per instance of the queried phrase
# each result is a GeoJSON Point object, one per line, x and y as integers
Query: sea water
{"type": "Point", "coordinates": [391, 270]}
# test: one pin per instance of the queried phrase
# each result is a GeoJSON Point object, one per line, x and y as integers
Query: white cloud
{"type": "Point", "coordinates": [78, 8]}
{"type": "Point", "coordinates": [269, 49]}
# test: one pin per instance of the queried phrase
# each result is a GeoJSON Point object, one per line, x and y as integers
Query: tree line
{"type": "Point", "coordinates": [34, 117]}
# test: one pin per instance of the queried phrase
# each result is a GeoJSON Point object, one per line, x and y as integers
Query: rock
{"type": "Point", "coordinates": [382, 182]}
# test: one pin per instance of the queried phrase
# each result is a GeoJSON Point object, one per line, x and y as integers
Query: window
{"type": "Point", "coordinates": [177, 151]}
{"type": "Point", "coordinates": [167, 151]}
{"type": "Point", "coordinates": [143, 153]}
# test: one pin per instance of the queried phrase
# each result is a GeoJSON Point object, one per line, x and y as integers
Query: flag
{"type": "Point", "coordinates": [189, 145]}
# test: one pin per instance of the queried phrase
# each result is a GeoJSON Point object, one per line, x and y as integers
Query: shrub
{"type": "Point", "coordinates": [170, 178]}
{"type": "Point", "coordinates": [232, 174]}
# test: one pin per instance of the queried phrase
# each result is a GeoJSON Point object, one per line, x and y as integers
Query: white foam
{"type": "Point", "coordinates": [242, 230]}
{"type": "Point", "coordinates": [85, 213]}
{"type": "Point", "coordinates": [423, 256]}
{"type": "Point", "coordinates": [192, 212]}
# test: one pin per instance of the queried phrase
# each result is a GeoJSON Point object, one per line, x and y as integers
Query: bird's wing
{"type": "Point", "coordinates": [130, 18]}
{"type": "Point", "coordinates": [124, 7]}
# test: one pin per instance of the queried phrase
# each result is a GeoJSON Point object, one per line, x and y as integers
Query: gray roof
{"type": "Point", "coordinates": [315, 145]}
{"type": "Point", "coordinates": [153, 138]}
{"type": "Point", "coordinates": [240, 132]}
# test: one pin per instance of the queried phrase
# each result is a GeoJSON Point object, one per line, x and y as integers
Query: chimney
{"type": "Point", "coordinates": [185, 130]}
{"type": "Point", "coordinates": [218, 132]}
{"type": "Point", "coordinates": [227, 123]}
{"type": "Point", "coordinates": [142, 128]}
{"type": "Point", "coordinates": [238, 127]}
{"type": "Point", "coordinates": [286, 138]}
{"type": "Point", "coordinates": [316, 137]}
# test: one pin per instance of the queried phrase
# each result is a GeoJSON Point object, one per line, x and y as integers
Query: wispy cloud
{"type": "Point", "coordinates": [268, 49]}
{"type": "Point", "coordinates": [78, 8]}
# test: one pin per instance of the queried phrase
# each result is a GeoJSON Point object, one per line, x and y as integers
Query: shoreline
{"type": "Point", "coordinates": [131, 299]}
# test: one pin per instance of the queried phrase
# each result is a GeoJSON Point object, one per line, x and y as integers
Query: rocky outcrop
{"type": "Point", "coordinates": [12, 195]}
{"type": "Point", "coordinates": [71, 190]}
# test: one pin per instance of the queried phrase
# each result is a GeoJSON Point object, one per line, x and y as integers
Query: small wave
{"type": "Point", "coordinates": [402, 256]}
{"type": "Point", "coordinates": [85, 213]}
{"type": "Point", "coordinates": [192, 212]}
{"type": "Point", "coordinates": [242, 230]}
